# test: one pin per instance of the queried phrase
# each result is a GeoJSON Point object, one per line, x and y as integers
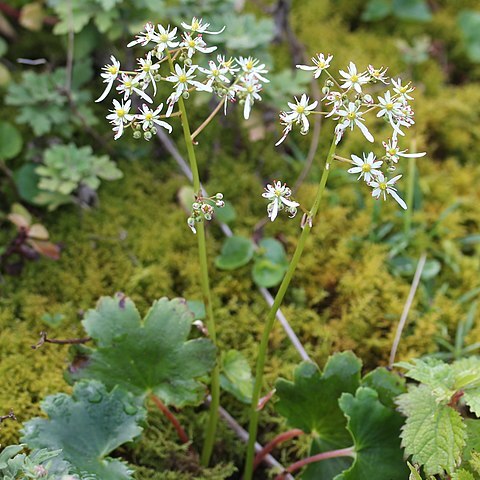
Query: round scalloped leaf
{"type": "Point", "coordinates": [267, 274]}
{"type": "Point", "coordinates": [310, 403]}
{"type": "Point", "coordinates": [236, 252]}
{"type": "Point", "coordinates": [375, 430]}
{"type": "Point", "coordinates": [87, 426]}
{"type": "Point", "coordinates": [10, 141]}
{"type": "Point", "coordinates": [386, 383]}
{"type": "Point", "coordinates": [26, 180]}
{"type": "Point", "coordinates": [149, 356]}
{"type": "Point", "coordinates": [236, 377]}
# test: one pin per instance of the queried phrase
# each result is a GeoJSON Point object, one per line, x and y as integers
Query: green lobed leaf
{"type": "Point", "coordinates": [10, 141]}
{"type": "Point", "coordinates": [310, 403]}
{"type": "Point", "coordinates": [434, 433]}
{"type": "Point", "coordinates": [236, 376]}
{"type": "Point", "coordinates": [87, 426]}
{"type": "Point", "coordinates": [236, 252]}
{"type": "Point", "coordinates": [375, 430]}
{"type": "Point", "coordinates": [26, 181]}
{"type": "Point", "coordinates": [149, 356]}
{"type": "Point", "coordinates": [376, 10]}
{"type": "Point", "coordinates": [271, 263]}
{"type": "Point", "coordinates": [416, 10]}
{"type": "Point", "coordinates": [386, 383]}
{"type": "Point", "coordinates": [462, 475]}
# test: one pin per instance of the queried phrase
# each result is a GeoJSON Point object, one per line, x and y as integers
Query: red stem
{"type": "Point", "coordinates": [173, 420]}
{"type": "Point", "coordinates": [344, 452]}
{"type": "Point", "coordinates": [283, 437]}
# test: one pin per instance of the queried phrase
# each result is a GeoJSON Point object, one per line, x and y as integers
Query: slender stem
{"type": "Point", "coordinates": [344, 452]}
{"type": "Point", "coordinates": [208, 119]}
{"type": "Point", "coordinates": [283, 437]}
{"type": "Point", "coordinates": [182, 435]}
{"type": "Point", "coordinates": [270, 320]}
{"type": "Point", "coordinates": [205, 284]}
{"type": "Point", "coordinates": [66, 341]}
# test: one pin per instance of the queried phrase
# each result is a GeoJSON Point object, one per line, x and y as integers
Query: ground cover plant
{"type": "Point", "coordinates": [158, 296]}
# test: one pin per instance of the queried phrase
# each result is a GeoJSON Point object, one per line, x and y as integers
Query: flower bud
{"type": "Point", "coordinates": [185, 95]}
{"type": "Point", "coordinates": [153, 130]}
{"type": "Point", "coordinates": [196, 206]}
{"type": "Point", "coordinates": [220, 203]}
{"type": "Point", "coordinates": [219, 196]}
{"type": "Point", "coordinates": [207, 216]}
{"type": "Point", "coordinates": [325, 90]}
{"type": "Point", "coordinates": [137, 134]}
{"type": "Point", "coordinates": [137, 126]}
{"type": "Point", "coordinates": [391, 168]}
{"type": "Point", "coordinates": [329, 83]}
{"type": "Point", "coordinates": [157, 78]}
{"type": "Point", "coordinates": [147, 136]}
{"type": "Point", "coordinates": [191, 224]}
{"type": "Point", "coordinates": [188, 62]}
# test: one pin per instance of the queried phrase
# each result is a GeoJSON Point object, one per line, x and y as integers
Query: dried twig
{"type": "Point", "coordinates": [9, 415]}
{"type": "Point", "coordinates": [67, 341]}
{"type": "Point", "coordinates": [406, 308]}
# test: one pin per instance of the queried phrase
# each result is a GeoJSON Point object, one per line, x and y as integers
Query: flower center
{"type": "Point", "coordinates": [148, 116]}
{"type": "Point", "coordinates": [366, 167]}
{"type": "Point", "coordinates": [351, 115]}
{"type": "Point", "coordinates": [164, 37]}
{"type": "Point", "coordinates": [146, 67]}
{"type": "Point", "coordinates": [300, 109]}
{"type": "Point", "coordinates": [389, 106]}
{"type": "Point", "coordinates": [249, 65]}
{"type": "Point", "coordinates": [120, 113]}
{"type": "Point", "coordinates": [195, 25]}
{"type": "Point", "coordinates": [191, 43]}
{"type": "Point", "coordinates": [382, 186]}
{"type": "Point", "coordinates": [215, 72]}
{"type": "Point", "coordinates": [354, 78]}
{"type": "Point", "coordinates": [182, 78]}
{"type": "Point", "coordinates": [392, 151]}
{"type": "Point", "coordinates": [250, 89]}
{"type": "Point", "coordinates": [112, 69]}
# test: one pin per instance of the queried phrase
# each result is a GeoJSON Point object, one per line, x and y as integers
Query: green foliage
{"type": "Point", "coordinates": [431, 407]}
{"type": "Point", "coordinates": [270, 264]}
{"type": "Point", "coordinates": [416, 10]}
{"type": "Point", "coordinates": [44, 105]}
{"type": "Point", "coordinates": [236, 377]}
{"type": "Point", "coordinates": [39, 464]}
{"type": "Point", "coordinates": [66, 168]}
{"type": "Point", "coordinates": [326, 406]}
{"type": "Point", "coordinates": [236, 252]}
{"type": "Point", "coordinates": [374, 429]}
{"type": "Point", "coordinates": [149, 356]}
{"type": "Point", "coordinates": [469, 23]}
{"type": "Point", "coordinates": [87, 427]}
{"type": "Point", "coordinates": [10, 141]}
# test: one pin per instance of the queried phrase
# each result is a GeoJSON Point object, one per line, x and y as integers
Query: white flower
{"type": "Point", "coordinates": [402, 90]}
{"type": "Point", "coordinates": [227, 64]}
{"type": "Point", "coordinates": [393, 152]}
{"type": "Point", "coordinates": [149, 118]}
{"type": "Point", "coordinates": [251, 87]}
{"type": "Point", "coordinates": [148, 70]}
{"type": "Point", "coordinates": [250, 67]}
{"type": "Point", "coordinates": [352, 117]}
{"type": "Point", "coordinates": [110, 74]}
{"type": "Point", "coordinates": [194, 44]}
{"type": "Point", "coordinates": [382, 188]}
{"type": "Point", "coordinates": [183, 78]}
{"type": "Point", "coordinates": [378, 74]}
{"type": "Point", "coordinates": [320, 64]}
{"type": "Point", "coordinates": [284, 120]}
{"type": "Point", "coordinates": [120, 115]}
{"type": "Point", "coordinates": [171, 101]}
{"type": "Point", "coordinates": [150, 35]}
{"type": "Point", "coordinates": [335, 99]}
{"type": "Point", "coordinates": [390, 108]}
{"type": "Point", "coordinates": [197, 27]}
{"type": "Point", "coordinates": [128, 85]}
{"type": "Point", "coordinates": [300, 111]}
{"type": "Point", "coordinates": [229, 96]}
{"type": "Point", "coordinates": [279, 196]}
{"type": "Point", "coordinates": [166, 38]}
{"type": "Point", "coordinates": [353, 79]}
{"type": "Point", "coordinates": [366, 167]}
{"type": "Point", "coordinates": [215, 73]}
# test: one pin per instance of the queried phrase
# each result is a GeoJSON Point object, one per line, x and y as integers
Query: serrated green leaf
{"type": "Point", "coordinates": [310, 403]}
{"type": "Point", "coordinates": [475, 462]}
{"type": "Point", "coordinates": [386, 383]}
{"type": "Point", "coordinates": [473, 438]}
{"type": "Point", "coordinates": [87, 427]}
{"type": "Point", "coordinates": [434, 433]}
{"type": "Point", "coordinates": [236, 252]}
{"type": "Point", "coordinates": [374, 429]}
{"type": "Point", "coordinates": [10, 141]}
{"type": "Point", "coordinates": [149, 356]}
{"type": "Point", "coordinates": [236, 376]}
{"type": "Point", "coordinates": [414, 475]}
{"type": "Point", "coordinates": [462, 475]}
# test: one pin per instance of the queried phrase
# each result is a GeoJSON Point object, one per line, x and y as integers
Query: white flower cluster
{"type": "Point", "coordinates": [203, 208]}
{"type": "Point", "coordinates": [230, 79]}
{"type": "Point", "coordinates": [346, 102]}
{"type": "Point", "coordinates": [279, 197]}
